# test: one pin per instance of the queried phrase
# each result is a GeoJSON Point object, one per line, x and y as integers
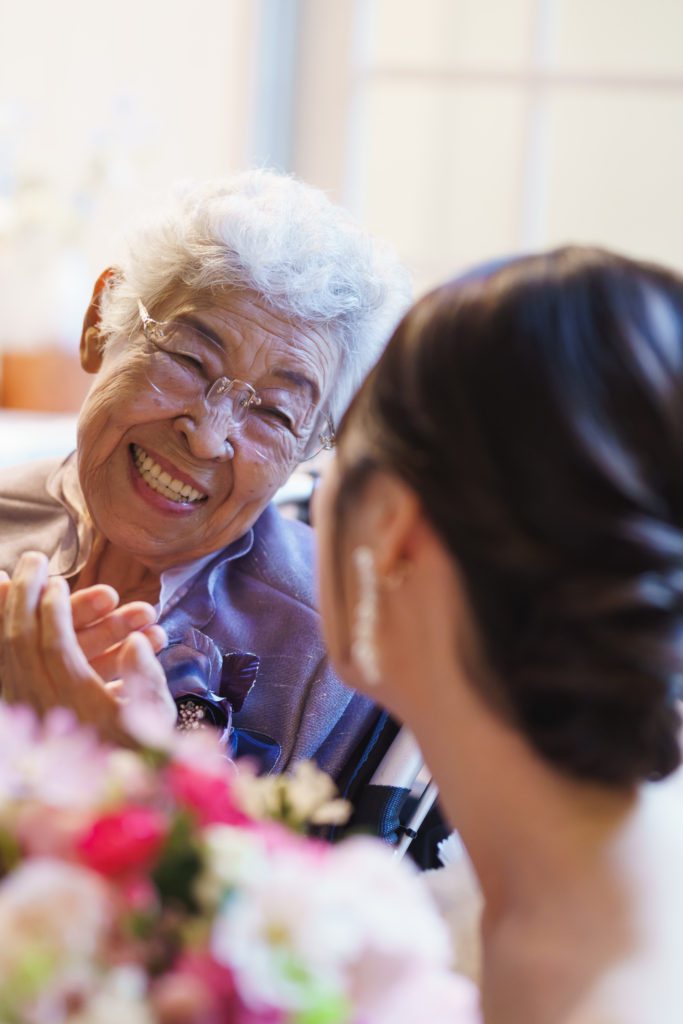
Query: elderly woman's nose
{"type": "Point", "coordinates": [208, 431]}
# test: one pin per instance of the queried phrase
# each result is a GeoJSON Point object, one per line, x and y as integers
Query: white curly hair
{"type": "Point", "coordinates": [272, 234]}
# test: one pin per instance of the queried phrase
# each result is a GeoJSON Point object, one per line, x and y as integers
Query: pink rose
{"type": "Point", "coordinates": [207, 796]}
{"type": "Point", "coordinates": [123, 841]}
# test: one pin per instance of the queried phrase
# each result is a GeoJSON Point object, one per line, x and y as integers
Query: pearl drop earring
{"type": "Point", "coordinates": [364, 651]}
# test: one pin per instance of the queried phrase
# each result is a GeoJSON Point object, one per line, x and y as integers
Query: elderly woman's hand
{"type": "Point", "coordinates": [77, 650]}
{"type": "Point", "coordinates": [101, 626]}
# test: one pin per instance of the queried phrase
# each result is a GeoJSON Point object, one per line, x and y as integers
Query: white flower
{"type": "Point", "coordinates": [121, 997]}
{"type": "Point", "coordinates": [349, 919]}
{"type": "Point", "coordinates": [129, 776]}
{"type": "Point", "coordinates": [305, 795]}
{"type": "Point", "coordinates": [308, 789]}
{"type": "Point", "coordinates": [54, 917]}
{"type": "Point", "coordinates": [232, 856]}
{"type": "Point", "coordinates": [397, 928]}
{"type": "Point", "coordinates": [259, 797]}
{"type": "Point", "coordinates": [58, 916]}
{"type": "Point", "coordinates": [280, 931]}
{"type": "Point", "coordinates": [52, 906]}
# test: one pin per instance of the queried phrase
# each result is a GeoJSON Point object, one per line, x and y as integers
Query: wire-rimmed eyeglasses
{"type": "Point", "coordinates": [189, 365]}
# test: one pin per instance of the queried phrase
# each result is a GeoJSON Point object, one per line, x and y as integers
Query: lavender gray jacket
{"type": "Point", "coordinates": [244, 636]}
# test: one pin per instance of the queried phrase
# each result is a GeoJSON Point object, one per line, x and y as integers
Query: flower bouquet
{"type": "Point", "coordinates": [154, 887]}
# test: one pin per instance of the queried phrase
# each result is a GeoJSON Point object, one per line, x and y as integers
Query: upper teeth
{"type": "Point", "coordinates": [159, 480]}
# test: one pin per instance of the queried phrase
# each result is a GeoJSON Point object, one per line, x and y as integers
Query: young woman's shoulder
{"type": "Point", "coordinates": [632, 996]}
{"type": "Point", "coordinates": [645, 985]}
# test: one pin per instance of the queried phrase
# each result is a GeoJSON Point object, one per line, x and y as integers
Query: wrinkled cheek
{"type": "Point", "coordinates": [259, 478]}
{"type": "Point", "coordinates": [261, 492]}
{"type": "Point", "coordinates": [119, 404]}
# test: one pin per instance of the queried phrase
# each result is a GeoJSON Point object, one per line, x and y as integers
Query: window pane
{"type": "Point", "coordinates": [620, 36]}
{"type": "Point", "coordinates": [615, 167]}
{"type": "Point", "coordinates": [442, 173]}
{"type": "Point", "coordinates": [448, 33]}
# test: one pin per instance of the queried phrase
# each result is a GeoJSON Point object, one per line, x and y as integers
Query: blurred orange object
{"type": "Point", "coordinates": [47, 379]}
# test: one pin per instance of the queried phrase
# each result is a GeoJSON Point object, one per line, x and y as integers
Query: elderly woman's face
{"type": "Point", "coordinates": [133, 429]}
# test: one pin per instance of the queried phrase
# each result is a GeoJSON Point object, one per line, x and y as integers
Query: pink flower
{"type": "Point", "coordinates": [57, 760]}
{"type": "Point", "coordinates": [201, 991]}
{"type": "Point", "coordinates": [44, 831]}
{"type": "Point", "coordinates": [425, 995]}
{"type": "Point", "coordinates": [138, 893]}
{"type": "Point", "coordinates": [206, 795]}
{"type": "Point", "coordinates": [163, 900]}
{"type": "Point", "coordinates": [123, 841]}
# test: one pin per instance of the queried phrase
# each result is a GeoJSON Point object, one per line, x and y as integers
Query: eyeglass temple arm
{"type": "Point", "coordinates": [144, 315]}
{"type": "Point", "coordinates": [328, 437]}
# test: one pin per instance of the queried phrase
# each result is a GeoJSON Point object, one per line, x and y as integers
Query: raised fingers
{"type": "Point", "coordinates": [66, 662]}
{"type": "Point", "coordinates": [23, 596]}
{"type": "Point", "coordinates": [103, 634]}
{"type": "Point", "coordinates": [107, 664]}
{"type": "Point", "coordinates": [141, 674]}
{"type": "Point", "coordinates": [147, 706]}
{"type": "Point", "coordinates": [58, 648]}
{"type": "Point", "coordinates": [23, 671]}
{"type": "Point", "coordinates": [92, 604]}
{"type": "Point", "coordinates": [76, 684]}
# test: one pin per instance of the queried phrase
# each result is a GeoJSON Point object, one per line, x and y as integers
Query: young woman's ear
{"type": "Point", "coordinates": [91, 344]}
{"type": "Point", "coordinates": [397, 517]}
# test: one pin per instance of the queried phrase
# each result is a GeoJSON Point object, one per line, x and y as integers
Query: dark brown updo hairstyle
{"type": "Point", "coordinates": [537, 412]}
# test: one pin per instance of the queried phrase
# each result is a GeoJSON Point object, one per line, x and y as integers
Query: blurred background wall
{"type": "Point", "coordinates": [457, 129]}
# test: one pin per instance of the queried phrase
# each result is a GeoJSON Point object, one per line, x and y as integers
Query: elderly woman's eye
{"type": "Point", "coordinates": [275, 415]}
{"type": "Point", "coordinates": [189, 359]}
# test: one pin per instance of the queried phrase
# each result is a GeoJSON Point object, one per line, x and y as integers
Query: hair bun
{"type": "Point", "coordinates": [596, 686]}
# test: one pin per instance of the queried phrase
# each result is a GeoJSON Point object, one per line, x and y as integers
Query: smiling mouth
{"type": "Point", "coordinates": [161, 481]}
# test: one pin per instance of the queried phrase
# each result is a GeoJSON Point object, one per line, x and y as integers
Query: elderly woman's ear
{"type": "Point", "coordinates": [91, 343]}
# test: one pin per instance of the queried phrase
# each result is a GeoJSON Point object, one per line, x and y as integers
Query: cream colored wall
{"type": "Point", "coordinates": [458, 129]}
{"type": "Point", "coordinates": [463, 129]}
{"type": "Point", "coordinates": [102, 108]}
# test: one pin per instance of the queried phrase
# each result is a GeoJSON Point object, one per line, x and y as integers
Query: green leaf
{"type": "Point", "coordinates": [10, 852]}
{"type": "Point", "coordinates": [327, 1008]}
{"type": "Point", "coordinates": [324, 1004]}
{"type": "Point", "coordinates": [179, 864]}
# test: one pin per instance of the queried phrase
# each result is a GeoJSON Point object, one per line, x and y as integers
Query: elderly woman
{"type": "Point", "coordinates": [224, 349]}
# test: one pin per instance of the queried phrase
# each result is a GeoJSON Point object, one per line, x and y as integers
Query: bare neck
{"type": "Point", "coordinates": [514, 810]}
{"type": "Point", "coordinates": [133, 580]}
{"type": "Point", "coordinates": [579, 881]}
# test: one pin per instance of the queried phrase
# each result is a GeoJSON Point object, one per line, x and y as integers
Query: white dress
{"type": "Point", "coordinates": [456, 891]}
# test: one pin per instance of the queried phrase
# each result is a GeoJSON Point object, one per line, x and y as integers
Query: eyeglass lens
{"type": "Point", "coordinates": [187, 365]}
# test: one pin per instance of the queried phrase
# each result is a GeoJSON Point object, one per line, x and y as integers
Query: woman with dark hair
{"type": "Point", "coordinates": [501, 559]}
